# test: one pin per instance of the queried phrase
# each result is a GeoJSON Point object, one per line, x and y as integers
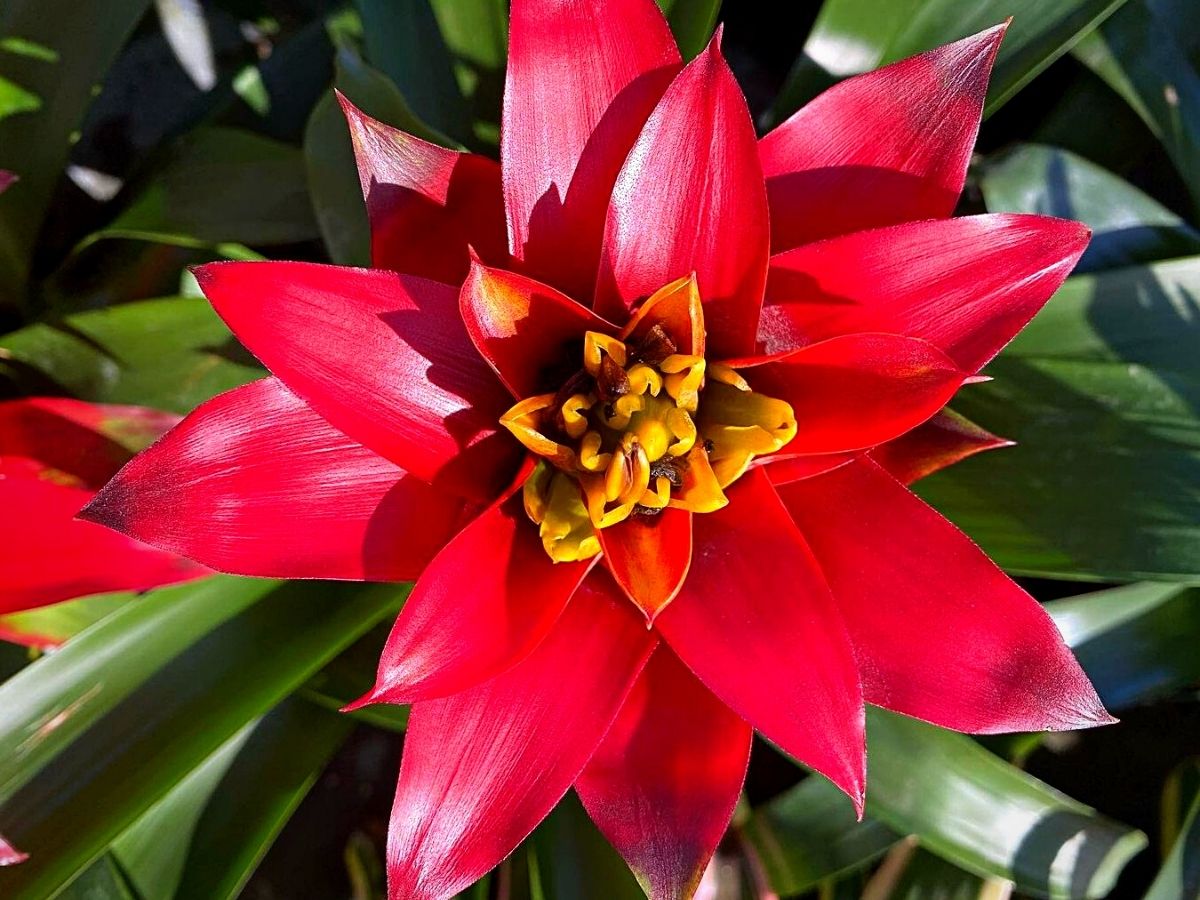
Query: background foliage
{"type": "Point", "coordinates": [171, 748]}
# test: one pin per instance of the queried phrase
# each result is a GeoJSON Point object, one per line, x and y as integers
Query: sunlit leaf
{"type": "Point", "coordinates": [1127, 225]}
{"type": "Point", "coordinates": [117, 717]}
{"type": "Point", "coordinates": [853, 36]}
{"type": "Point", "coordinates": [404, 42]}
{"type": "Point", "coordinates": [1137, 55]}
{"type": "Point", "coordinates": [1102, 394]}
{"type": "Point", "coordinates": [170, 354]}
{"type": "Point", "coordinates": [76, 49]}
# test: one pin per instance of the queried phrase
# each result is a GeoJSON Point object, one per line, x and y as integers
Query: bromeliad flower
{"type": "Point", "coordinates": [645, 456]}
{"type": "Point", "coordinates": [55, 453]}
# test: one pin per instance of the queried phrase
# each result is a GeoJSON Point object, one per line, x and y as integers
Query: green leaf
{"type": "Point", "coordinates": [476, 34]}
{"type": "Point", "coordinates": [49, 626]}
{"type": "Point", "coordinates": [988, 817]}
{"type": "Point", "coordinates": [929, 877]}
{"type": "Point", "coordinates": [332, 177]}
{"type": "Point", "coordinates": [809, 834]}
{"type": "Point", "coordinates": [117, 717]}
{"type": "Point", "coordinates": [1137, 643]}
{"type": "Point", "coordinates": [221, 186]}
{"type": "Point", "coordinates": [103, 880]}
{"type": "Point", "coordinates": [1179, 878]}
{"type": "Point", "coordinates": [1138, 57]}
{"type": "Point", "coordinates": [692, 22]}
{"type": "Point", "coordinates": [568, 859]}
{"type": "Point", "coordinates": [1102, 394]}
{"type": "Point", "coordinates": [1127, 226]}
{"type": "Point", "coordinates": [405, 43]}
{"type": "Point", "coordinates": [74, 49]}
{"type": "Point", "coordinates": [853, 36]}
{"type": "Point", "coordinates": [255, 797]}
{"type": "Point", "coordinates": [171, 354]}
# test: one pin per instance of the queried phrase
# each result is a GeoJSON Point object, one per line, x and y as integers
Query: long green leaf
{"type": "Point", "coordinates": [256, 796]}
{"type": "Point", "coordinates": [1102, 394]}
{"type": "Point", "coordinates": [49, 626]}
{"type": "Point", "coordinates": [221, 186]}
{"type": "Point", "coordinates": [810, 834]}
{"type": "Point", "coordinates": [1128, 227]}
{"type": "Point", "coordinates": [405, 43]}
{"type": "Point", "coordinates": [74, 48]}
{"type": "Point", "coordinates": [568, 859]}
{"type": "Point", "coordinates": [123, 712]}
{"type": "Point", "coordinates": [1179, 878]}
{"type": "Point", "coordinates": [476, 34]}
{"type": "Point", "coordinates": [692, 22]}
{"type": "Point", "coordinates": [170, 353]}
{"type": "Point", "coordinates": [975, 810]}
{"type": "Point", "coordinates": [929, 877]}
{"type": "Point", "coordinates": [853, 36]}
{"type": "Point", "coordinates": [332, 177]}
{"type": "Point", "coordinates": [1137, 55]}
{"type": "Point", "coordinates": [1137, 643]}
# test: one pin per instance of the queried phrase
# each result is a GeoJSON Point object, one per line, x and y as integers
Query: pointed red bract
{"type": "Point", "coordinates": [483, 605]}
{"type": "Point", "coordinates": [691, 198]}
{"type": "Point", "coordinates": [383, 357]}
{"type": "Point", "coordinates": [881, 148]}
{"type": "Point", "coordinates": [783, 468]}
{"type": "Point", "coordinates": [88, 441]}
{"type": "Point", "coordinates": [9, 855]}
{"type": "Point", "coordinates": [426, 204]}
{"type": "Point", "coordinates": [649, 556]}
{"type": "Point", "coordinates": [50, 557]}
{"type": "Point", "coordinates": [858, 390]}
{"type": "Point", "coordinates": [254, 482]}
{"type": "Point", "coordinates": [965, 285]}
{"type": "Point", "coordinates": [483, 767]}
{"type": "Point", "coordinates": [942, 633]}
{"type": "Point", "coordinates": [582, 78]}
{"type": "Point", "coordinates": [945, 439]}
{"type": "Point", "coordinates": [524, 328]}
{"type": "Point", "coordinates": [663, 783]}
{"type": "Point", "coordinates": [757, 625]}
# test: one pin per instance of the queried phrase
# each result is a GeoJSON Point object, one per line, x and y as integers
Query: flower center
{"type": "Point", "coordinates": [641, 427]}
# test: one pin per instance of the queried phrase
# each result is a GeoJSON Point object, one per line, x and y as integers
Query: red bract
{"type": "Point", "coordinates": [55, 453]}
{"type": "Point", "coordinates": [712, 440]}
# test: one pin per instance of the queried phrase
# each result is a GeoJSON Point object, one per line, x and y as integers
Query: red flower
{"type": "Point", "coordinates": [55, 454]}
{"type": "Point", "coordinates": [731, 445]}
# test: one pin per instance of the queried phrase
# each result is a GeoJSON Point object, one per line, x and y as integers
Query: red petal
{"type": "Point", "coordinates": [49, 556]}
{"type": "Point", "coordinates": [89, 441]}
{"type": "Point", "coordinates": [756, 623]}
{"type": "Point", "coordinates": [691, 198]}
{"type": "Point", "coordinates": [942, 633]}
{"type": "Point", "coordinates": [582, 78]}
{"type": "Point", "coordinates": [945, 439]}
{"type": "Point", "coordinates": [9, 855]}
{"type": "Point", "coordinates": [524, 328]}
{"type": "Point", "coordinates": [966, 285]}
{"type": "Point", "coordinates": [384, 357]}
{"type": "Point", "coordinates": [255, 483]}
{"type": "Point", "coordinates": [426, 204]}
{"type": "Point", "coordinates": [784, 469]}
{"type": "Point", "coordinates": [886, 147]}
{"type": "Point", "coordinates": [857, 390]}
{"type": "Point", "coordinates": [483, 605]}
{"type": "Point", "coordinates": [663, 784]}
{"type": "Point", "coordinates": [649, 556]}
{"type": "Point", "coordinates": [483, 767]}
